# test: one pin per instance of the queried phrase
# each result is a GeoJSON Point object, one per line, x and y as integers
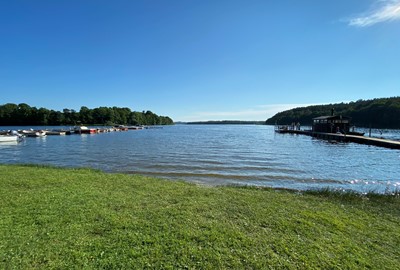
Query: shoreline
{"type": "Point", "coordinates": [322, 190]}
{"type": "Point", "coordinates": [315, 191]}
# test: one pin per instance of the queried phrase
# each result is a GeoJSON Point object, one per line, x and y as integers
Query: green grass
{"type": "Point", "coordinates": [83, 219]}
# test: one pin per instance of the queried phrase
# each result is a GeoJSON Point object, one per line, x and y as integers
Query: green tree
{"type": "Point", "coordinates": [42, 117]}
{"type": "Point", "coordinates": [85, 115]}
{"type": "Point", "coordinates": [378, 113]}
{"type": "Point", "coordinates": [8, 114]}
{"type": "Point", "coordinates": [23, 114]}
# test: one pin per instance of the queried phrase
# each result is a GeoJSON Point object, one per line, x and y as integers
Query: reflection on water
{"type": "Point", "coordinates": [5, 144]}
{"type": "Point", "coordinates": [220, 154]}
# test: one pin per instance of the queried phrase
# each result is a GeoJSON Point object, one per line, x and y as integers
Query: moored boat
{"type": "Point", "coordinates": [135, 127]}
{"type": "Point", "coordinates": [121, 128]}
{"type": "Point", "coordinates": [34, 133]}
{"type": "Point", "coordinates": [85, 130]}
{"type": "Point", "coordinates": [9, 138]}
{"type": "Point", "coordinates": [55, 132]}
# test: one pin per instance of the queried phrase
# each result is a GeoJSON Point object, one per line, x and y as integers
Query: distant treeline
{"type": "Point", "coordinates": [25, 115]}
{"type": "Point", "coordinates": [227, 122]}
{"type": "Point", "coordinates": [376, 113]}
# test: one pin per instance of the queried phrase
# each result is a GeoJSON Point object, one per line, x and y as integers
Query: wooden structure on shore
{"type": "Point", "coordinates": [331, 124]}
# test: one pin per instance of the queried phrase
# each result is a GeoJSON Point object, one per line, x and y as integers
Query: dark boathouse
{"type": "Point", "coordinates": [331, 124]}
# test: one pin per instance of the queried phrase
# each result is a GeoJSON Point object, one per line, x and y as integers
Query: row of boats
{"type": "Point", "coordinates": [15, 136]}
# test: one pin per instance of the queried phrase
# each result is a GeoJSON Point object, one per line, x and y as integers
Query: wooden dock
{"type": "Point", "coordinates": [346, 138]}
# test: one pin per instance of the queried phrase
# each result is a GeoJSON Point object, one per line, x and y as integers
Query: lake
{"type": "Point", "coordinates": [220, 155]}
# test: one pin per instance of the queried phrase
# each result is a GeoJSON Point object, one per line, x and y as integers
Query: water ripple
{"type": "Point", "coordinates": [247, 155]}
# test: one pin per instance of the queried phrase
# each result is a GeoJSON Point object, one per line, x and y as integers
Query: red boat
{"type": "Point", "coordinates": [85, 130]}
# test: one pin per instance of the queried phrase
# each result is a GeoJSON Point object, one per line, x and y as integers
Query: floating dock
{"type": "Point", "coordinates": [75, 130]}
{"type": "Point", "coordinates": [345, 138]}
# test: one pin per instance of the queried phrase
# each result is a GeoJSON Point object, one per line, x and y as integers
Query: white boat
{"type": "Point", "coordinates": [34, 133]}
{"type": "Point", "coordinates": [9, 138]}
{"type": "Point", "coordinates": [84, 130]}
{"type": "Point", "coordinates": [55, 132]}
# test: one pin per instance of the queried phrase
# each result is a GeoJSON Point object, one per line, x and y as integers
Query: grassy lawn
{"type": "Point", "coordinates": [81, 218]}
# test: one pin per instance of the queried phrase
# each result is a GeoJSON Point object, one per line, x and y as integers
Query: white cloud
{"type": "Point", "coordinates": [258, 113]}
{"type": "Point", "coordinates": [384, 10]}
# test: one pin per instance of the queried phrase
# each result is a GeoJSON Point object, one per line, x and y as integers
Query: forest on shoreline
{"type": "Point", "coordinates": [24, 115]}
{"type": "Point", "coordinates": [375, 113]}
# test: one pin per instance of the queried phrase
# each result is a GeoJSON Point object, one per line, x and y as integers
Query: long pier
{"type": "Point", "coordinates": [346, 138]}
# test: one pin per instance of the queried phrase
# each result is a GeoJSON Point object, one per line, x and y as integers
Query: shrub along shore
{"type": "Point", "coordinates": [82, 218]}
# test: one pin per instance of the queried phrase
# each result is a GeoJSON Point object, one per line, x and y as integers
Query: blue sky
{"type": "Point", "coordinates": [198, 59]}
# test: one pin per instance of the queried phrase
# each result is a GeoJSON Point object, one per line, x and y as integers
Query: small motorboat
{"type": "Point", "coordinates": [9, 138]}
{"type": "Point", "coordinates": [84, 130]}
{"type": "Point", "coordinates": [55, 132]}
{"type": "Point", "coordinates": [34, 133]}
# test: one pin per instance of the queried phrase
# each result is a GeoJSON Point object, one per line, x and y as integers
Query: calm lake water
{"type": "Point", "coordinates": [221, 154]}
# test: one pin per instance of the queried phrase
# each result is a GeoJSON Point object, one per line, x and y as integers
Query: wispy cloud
{"type": "Point", "coordinates": [258, 113]}
{"type": "Point", "coordinates": [383, 10]}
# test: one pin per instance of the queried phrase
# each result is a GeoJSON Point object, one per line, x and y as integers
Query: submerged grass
{"type": "Point", "coordinates": [82, 218]}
